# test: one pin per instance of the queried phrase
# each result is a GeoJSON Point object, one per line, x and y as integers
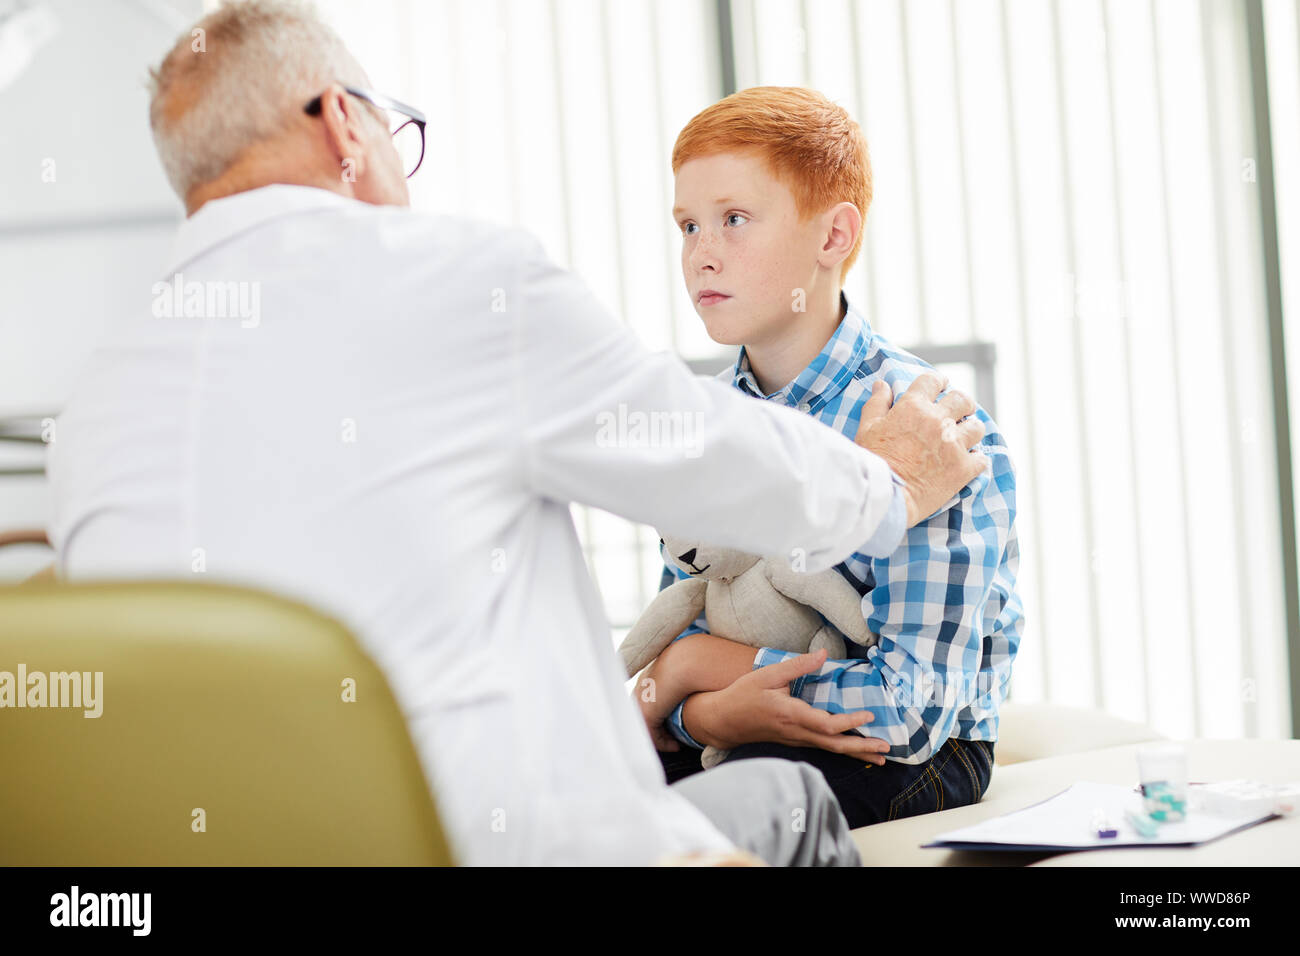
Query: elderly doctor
{"type": "Point", "coordinates": [397, 440]}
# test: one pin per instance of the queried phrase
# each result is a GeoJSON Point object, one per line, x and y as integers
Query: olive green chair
{"type": "Point", "coordinates": [226, 736]}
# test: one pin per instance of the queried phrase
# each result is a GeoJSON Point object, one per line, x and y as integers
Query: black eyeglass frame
{"type": "Point", "coordinates": [384, 103]}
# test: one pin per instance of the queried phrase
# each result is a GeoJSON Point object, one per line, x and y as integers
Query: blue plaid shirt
{"type": "Point", "coordinates": [944, 603]}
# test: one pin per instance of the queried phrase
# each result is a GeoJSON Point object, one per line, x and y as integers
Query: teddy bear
{"type": "Point", "coordinates": [762, 602]}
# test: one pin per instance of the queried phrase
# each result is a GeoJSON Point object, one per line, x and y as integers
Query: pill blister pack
{"type": "Point", "coordinates": [1245, 797]}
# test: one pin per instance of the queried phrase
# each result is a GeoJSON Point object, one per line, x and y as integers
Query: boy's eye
{"type": "Point", "coordinates": [736, 215]}
{"type": "Point", "coordinates": [686, 228]}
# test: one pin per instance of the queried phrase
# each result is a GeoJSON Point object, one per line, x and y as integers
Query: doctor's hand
{"type": "Point", "coordinates": [758, 707]}
{"type": "Point", "coordinates": [924, 441]}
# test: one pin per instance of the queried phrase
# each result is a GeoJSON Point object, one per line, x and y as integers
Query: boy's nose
{"type": "Point", "coordinates": [702, 257]}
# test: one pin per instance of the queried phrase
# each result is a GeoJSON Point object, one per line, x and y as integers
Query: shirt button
{"type": "Point", "coordinates": [805, 407]}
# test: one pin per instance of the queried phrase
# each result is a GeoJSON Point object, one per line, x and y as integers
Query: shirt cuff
{"type": "Point", "coordinates": [889, 533]}
{"type": "Point", "coordinates": [770, 655]}
{"type": "Point", "coordinates": [678, 728]}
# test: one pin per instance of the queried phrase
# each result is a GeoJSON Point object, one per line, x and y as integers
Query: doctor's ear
{"type": "Point", "coordinates": [341, 118]}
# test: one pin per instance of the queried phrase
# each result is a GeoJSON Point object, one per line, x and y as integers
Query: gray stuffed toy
{"type": "Point", "coordinates": [751, 600]}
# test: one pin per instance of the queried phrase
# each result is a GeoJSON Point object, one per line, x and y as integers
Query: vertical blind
{"type": "Point", "coordinates": [1074, 182]}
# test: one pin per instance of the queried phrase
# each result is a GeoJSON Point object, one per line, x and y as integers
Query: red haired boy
{"type": "Point", "coordinates": [772, 188]}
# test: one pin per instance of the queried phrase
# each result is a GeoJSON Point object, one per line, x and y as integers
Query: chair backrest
{"type": "Point", "coordinates": [226, 734]}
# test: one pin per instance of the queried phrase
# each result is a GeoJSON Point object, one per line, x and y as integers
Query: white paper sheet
{"type": "Point", "coordinates": [1065, 822]}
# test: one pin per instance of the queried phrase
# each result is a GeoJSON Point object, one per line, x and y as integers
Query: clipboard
{"type": "Point", "coordinates": [1063, 822]}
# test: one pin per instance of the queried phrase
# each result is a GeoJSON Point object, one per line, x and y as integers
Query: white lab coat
{"type": "Point", "coordinates": [395, 437]}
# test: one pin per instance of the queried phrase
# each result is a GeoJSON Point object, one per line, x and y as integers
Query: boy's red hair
{"type": "Point", "coordinates": [809, 143]}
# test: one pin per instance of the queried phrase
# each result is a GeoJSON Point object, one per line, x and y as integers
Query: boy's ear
{"type": "Point", "coordinates": [842, 223]}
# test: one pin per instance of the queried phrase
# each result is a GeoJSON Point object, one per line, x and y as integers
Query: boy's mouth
{"type": "Point", "coordinates": [710, 297]}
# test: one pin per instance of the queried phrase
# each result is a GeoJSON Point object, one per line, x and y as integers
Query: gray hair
{"type": "Point", "coordinates": [235, 80]}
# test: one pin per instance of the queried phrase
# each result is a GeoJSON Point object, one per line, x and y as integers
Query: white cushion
{"type": "Point", "coordinates": [1033, 731]}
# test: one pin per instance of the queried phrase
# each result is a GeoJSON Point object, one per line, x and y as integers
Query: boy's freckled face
{"type": "Point", "coordinates": [741, 237]}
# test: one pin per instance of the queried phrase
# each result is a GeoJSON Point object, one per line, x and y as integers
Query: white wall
{"type": "Point", "coordinates": [79, 251]}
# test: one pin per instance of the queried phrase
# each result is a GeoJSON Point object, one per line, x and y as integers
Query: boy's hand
{"type": "Point", "coordinates": [924, 441]}
{"type": "Point", "coordinates": [656, 705]}
{"type": "Point", "coordinates": [656, 725]}
{"type": "Point", "coordinates": [758, 707]}
{"type": "Point", "coordinates": [662, 737]}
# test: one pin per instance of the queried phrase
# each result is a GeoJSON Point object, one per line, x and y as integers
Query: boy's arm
{"type": "Point", "coordinates": [700, 625]}
{"type": "Point", "coordinates": [882, 542]}
{"type": "Point", "coordinates": [710, 663]}
{"type": "Point", "coordinates": [948, 590]}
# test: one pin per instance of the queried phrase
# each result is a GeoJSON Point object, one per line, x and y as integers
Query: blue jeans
{"type": "Point", "coordinates": [956, 775]}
